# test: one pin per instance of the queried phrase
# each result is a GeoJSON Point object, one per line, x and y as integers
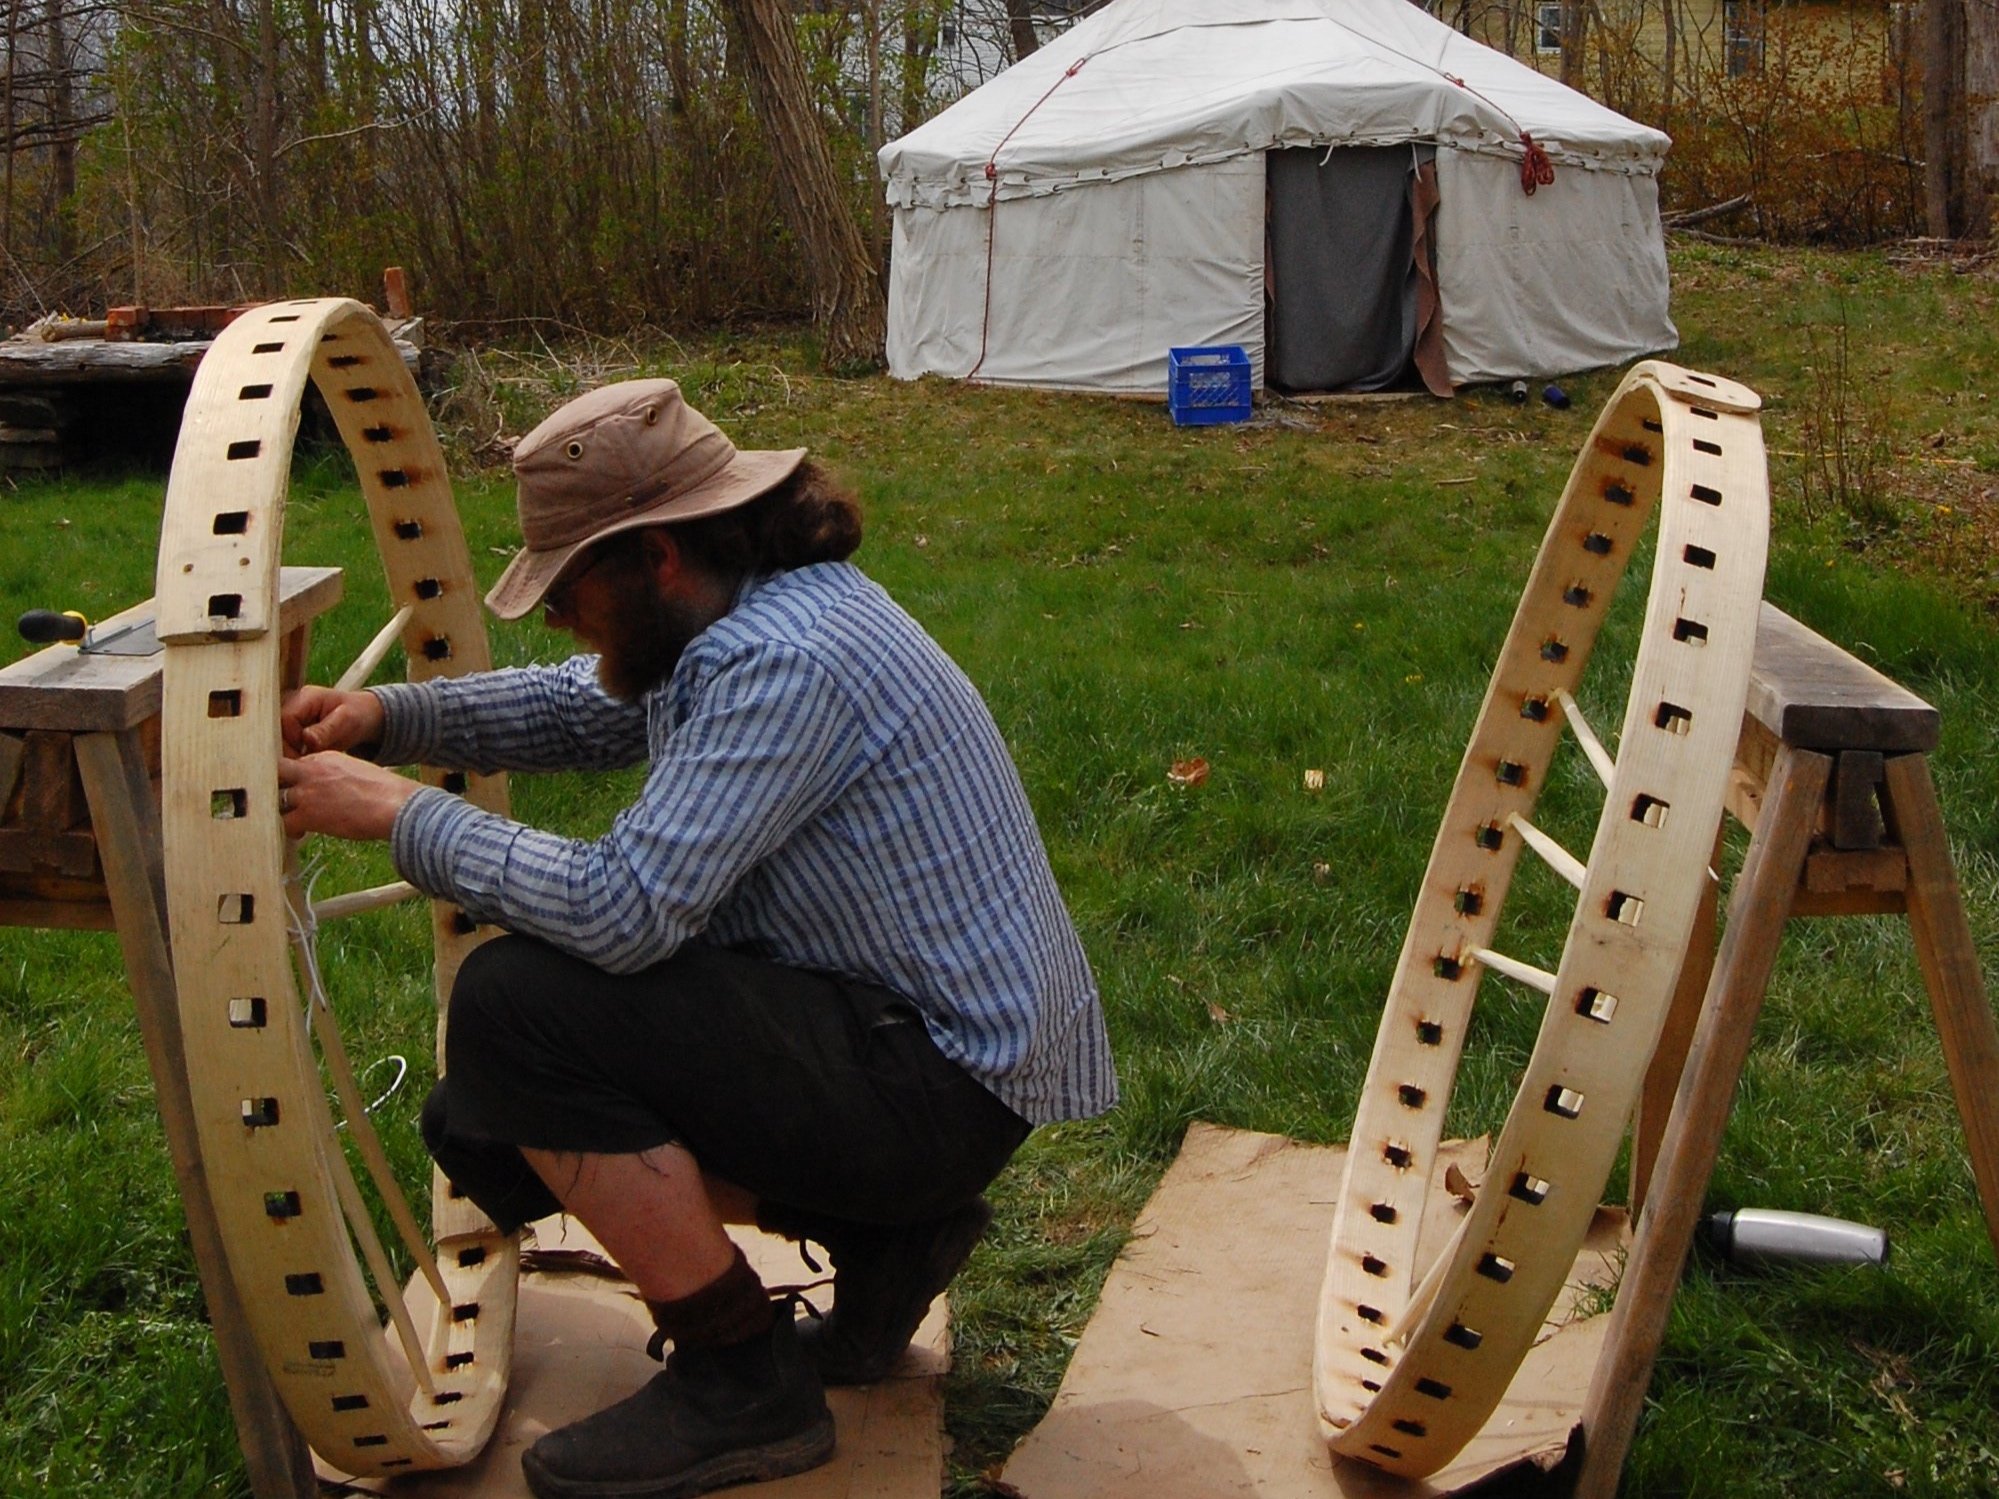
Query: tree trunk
{"type": "Point", "coordinates": [1958, 47]}
{"type": "Point", "coordinates": [1575, 31]}
{"type": "Point", "coordinates": [1020, 21]}
{"type": "Point", "coordinates": [847, 305]}
{"type": "Point", "coordinates": [264, 149]}
{"type": "Point", "coordinates": [62, 131]}
{"type": "Point", "coordinates": [1981, 108]}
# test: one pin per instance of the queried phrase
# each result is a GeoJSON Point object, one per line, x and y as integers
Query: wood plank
{"type": "Point", "coordinates": [55, 915]}
{"type": "Point", "coordinates": [13, 751]}
{"type": "Point", "coordinates": [68, 689]}
{"type": "Point", "coordinates": [1810, 693]}
{"type": "Point", "coordinates": [1855, 816]}
{"type": "Point", "coordinates": [1758, 908]}
{"type": "Point", "coordinates": [51, 792]}
{"type": "Point", "coordinates": [1948, 956]}
{"type": "Point", "coordinates": [24, 851]}
{"type": "Point", "coordinates": [76, 361]}
{"type": "Point", "coordinates": [114, 766]}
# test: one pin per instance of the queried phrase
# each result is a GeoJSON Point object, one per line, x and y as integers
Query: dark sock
{"type": "Point", "coordinates": [731, 1312]}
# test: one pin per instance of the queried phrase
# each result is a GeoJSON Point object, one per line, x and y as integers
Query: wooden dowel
{"type": "Point", "coordinates": [1557, 858]}
{"type": "Point", "coordinates": [365, 663]}
{"type": "Point", "coordinates": [1513, 968]}
{"type": "Point", "coordinates": [1599, 757]}
{"type": "Point", "coordinates": [354, 902]}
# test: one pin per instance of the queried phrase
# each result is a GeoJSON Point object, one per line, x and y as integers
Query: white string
{"type": "Point", "coordinates": [304, 923]}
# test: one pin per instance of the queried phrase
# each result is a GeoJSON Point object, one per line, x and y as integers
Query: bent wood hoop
{"type": "Point", "coordinates": [1406, 1374]}
{"type": "Point", "coordinates": [265, 1126]}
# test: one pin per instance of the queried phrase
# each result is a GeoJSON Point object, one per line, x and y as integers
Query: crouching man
{"type": "Point", "coordinates": [817, 976]}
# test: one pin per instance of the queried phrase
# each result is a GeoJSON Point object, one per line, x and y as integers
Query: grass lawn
{"type": "Point", "coordinates": [1323, 588]}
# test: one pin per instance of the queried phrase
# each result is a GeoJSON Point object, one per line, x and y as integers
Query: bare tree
{"type": "Point", "coordinates": [1960, 116]}
{"type": "Point", "coordinates": [847, 303]}
{"type": "Point", "coordinates": [1020, 22]}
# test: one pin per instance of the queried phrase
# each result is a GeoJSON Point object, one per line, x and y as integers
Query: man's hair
{"type": "Point", "coordinates": [810, 517]}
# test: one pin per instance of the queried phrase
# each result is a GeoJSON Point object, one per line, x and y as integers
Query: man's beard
{"type": "Point", "coordinates": [651, 632]}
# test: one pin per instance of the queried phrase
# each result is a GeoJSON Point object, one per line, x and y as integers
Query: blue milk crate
{"type": "Point", "coordinates": [1207, 385]}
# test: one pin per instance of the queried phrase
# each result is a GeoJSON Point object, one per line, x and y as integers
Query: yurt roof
{"type": "Point", "coordinates": [1148, 85]}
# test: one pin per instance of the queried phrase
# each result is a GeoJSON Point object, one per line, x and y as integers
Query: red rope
{"type": "Point", "coordinates": [1536, 170]}
{"type": "Point", "coordinates": [992, 205]}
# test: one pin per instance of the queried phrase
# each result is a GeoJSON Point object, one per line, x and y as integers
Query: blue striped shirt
{"type": "Point", "coordinates": [825, 788]}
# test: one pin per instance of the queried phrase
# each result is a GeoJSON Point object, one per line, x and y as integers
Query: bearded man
{"type": "Point", "coordinates": [817, 976]}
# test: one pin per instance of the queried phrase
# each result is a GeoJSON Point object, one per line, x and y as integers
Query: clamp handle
{"type": "Point", "coordinates": [46, 626]}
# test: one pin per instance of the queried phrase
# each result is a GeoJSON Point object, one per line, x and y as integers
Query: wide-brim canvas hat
{"type": "Point", "coordinates": [624, 456]}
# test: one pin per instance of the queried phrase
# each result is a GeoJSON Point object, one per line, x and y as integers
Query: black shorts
{"type": "Point", "coordinates": [811, 1092]}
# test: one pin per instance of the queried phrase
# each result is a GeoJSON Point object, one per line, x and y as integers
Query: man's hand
{"type": "Point", "coordinates": [338, 794]}
{"type": "Point", "coordinates": [319, 718]}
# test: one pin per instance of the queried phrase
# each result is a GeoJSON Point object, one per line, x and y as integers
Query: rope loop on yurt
{"type": "Point", "coordinates": [992, 203]}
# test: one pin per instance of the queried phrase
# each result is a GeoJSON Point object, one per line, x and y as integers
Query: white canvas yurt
{"type": "Point", "coordinates": [1334, 185]}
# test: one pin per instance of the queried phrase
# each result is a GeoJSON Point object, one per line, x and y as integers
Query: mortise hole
{"type": "Point", "coordinates": [1555, 649]}
{"type": "Point", "coordinates": [470, 1257]}
{"type": "Point", "coordinates": [1638, 453]}
{"type": "Point", "coordinates": [1650, 425]}
{"type": "Point", "coordinates": [1397, 1155]}
{"type": "Point", "coordinates": [1577, 596]}
{"type": "Point", "coordinates": [277, 348]}
{"type": "Point", "coordinates": [1411, 1428]}
{"type": "Point", "coordinates": [1429, 1033]}
{"type": "Point", "coordinates": [259, 1113]}
{"type": "Point", "coordinates": [1617, 493]}
{"type": "Point", "coordinates": [436, 1425]}
{"type": "Point", "coordinates": [371, 1441]}
{"type": "Point", "coordinates": [331, 1348]}
{"type": "Point", "coordinates": [1446, 968]}
{"type": "Point", "coordinates": [379, 433]}
{"type": "Point", "coordinates": [1713, 416]}
{"type": "Point", "coordinates": [227, 804]}
{"type": "Point", "coordinates": [1692, 631]}
{"type": "Point", "coordinates": [1436, 1389]}
{"type": "Point", "coordinates": [225, 605]}
{"type": "Point", "coordinates": [1625, 907]}
{"type": "Point", "coordinates": [394, 478]}
{"type": "Point", "coordinates": [465, 1311]}
{"type": "Point", "coordinates": [1702, 445]}
{"type": "Point", "coordinates": [252, 393]}
{"type": "Point", "coordinates": [447, 1397]}
{"type": "Point", "coordinates": [1372, 1386]}
{"type": "Point", "coordinates": [1528, 1188]}
{"type": "Point", "coordinates": [1460, 1336]}
{"type": "Point", "coordinates": [361, 393]}
{"type": "Point", "coordinates": [396, 1462]}
{"type": "Point", "coordinates": [1470, 900]}
{"type": "Point", "coordinates": [428, 588]}
{"type": "Point", "coordinates": [1412, 1096]}
{"type": "Point", "coordinates": [1650, 811]}
{"type": "Point", "coordinates": [232, 523]}
{"type": "Point", "coordinates": [454, 782]}
{"type": "Point", "coordinates": [437, 648]}
{"type": "Point", "coordinates": [1373, 1266]}
{"type": "Point", "coordinates": [1489, 836]}
{"type": "Point", "coordinates": [1597, 544]}
{"type": "Point", "coordinates": [1673, 718]}
{"type": "Point", "coordinates": [1511, 773]}
{"type": "Point", "coordinates": [457, 1360]}
{"type": "Point", "coordinates": [462, 924]}
{"type": "Point", "coordinates": [237, 908]}
{"type": "Point", "coordinates": [1384, 1451]}
{"type": "Point", "coordinates": [1706, 494]}
{"type": "Point", "coordinates": [289, 317]}
{"type": "Point", "coordinates": [1381, 1212]}
{"type": "Point", "coordinates": [228, 703]}
{"type": "Point", "coordinates": [350, 1402]}
{"type": "Point", "coordinates": [1371, 1314]}
{"type": "Point", "coordinates": [248, 448]}
{"type": "Point", "coordinates": [282, 1205]}
{"type": "Point", "coordinates": [1534, 709]}
{"type": "Point", "coordinates": [1564, 1101]}
{"type": "Point", "coordinates": [408, 530]}
{"type": "Point", "coordinates": [1698, 556]}
{"type": "Point", "coordinates": [1495, 1267]}
{"type": "Point", "coordinates": [247, 1013]}
{"type": "Point", "coordinates": [1374, 1355]}
{"type": "Point", "coordinates": [344, 361]}
{"type": "Point", "coordinates": [1597, 1005]}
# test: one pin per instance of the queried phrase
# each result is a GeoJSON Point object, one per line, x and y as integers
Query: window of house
{"type": "Point", "coordinates": [1548, 27]}
{"type": "Point", "coordinates": [1742, 36]}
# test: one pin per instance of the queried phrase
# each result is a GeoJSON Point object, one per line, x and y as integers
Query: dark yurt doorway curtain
{"type": "Point", "coordinates": [1346, 306]}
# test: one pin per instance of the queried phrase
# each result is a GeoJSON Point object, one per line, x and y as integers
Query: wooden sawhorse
{"type": "Point", "coordinates": [80, 848]}
{"type": "Point", "coordinates": [1831, 778]}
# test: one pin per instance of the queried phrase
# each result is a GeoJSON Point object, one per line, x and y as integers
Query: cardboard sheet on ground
{"type": "Point", "coordinates": [579, 1345]}
{"type": "Point", "coordinates": [1194, 1377]}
